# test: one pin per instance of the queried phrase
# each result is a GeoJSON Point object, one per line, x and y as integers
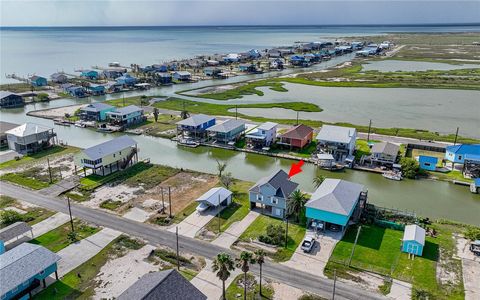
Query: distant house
{"type": "Point", "coordinates": [276, 63]}
{"type": "Point", "coordinates": [297, 137]}
{"type": "Point", "coordinates": [4, 127]}
{"type": "Point", "coordinates": [95, 111]}
{"type": "Point", "coordinates": [216, 197]}
{"type": "Point", "coordinates": [336, 140]}
{"type": "Point", "coordinates": [127, 80]}
{"type": "Point", "coordinates": [228, 131]}
{"type": "Point", "coordinates": [24, 268]}
{"type": "Point", "coordinates": [59, 78]}
{"type": "Point", "coordinates": [413, 240]}
{"type": "Point", "coordinates": [196, 126]}
{"type": "Point", "coordinates": [30, 138]}
{"type": "Point", "coordinates": [113, 73]}
{"type": "Point", "coordinates": [212, 71]}
{"type": "Point", "coordinates": [298, 60]}
{"type": "Point", "coordinates": [165, 285]}
{"type": "Point", "coordinates": [263, 136]}
{"type": "Point", "coordinates": [249, 68]}
{"type": "Point", "coordinates": [108, 157]}
{"type": "Point", "coordinates": [163, 78]}
{"type": "Point", "coordinates": [272, 194]}
{"type": "Point", "coordinates": [96, 89]}
{"type": "Point", "coordinates": [37, 80]}
{"type": "Point", "coordinates": [336, 202]}
{"type": "Point", "coordinates": [254, 54]}
{"type": "Point", "coordinates": [231, 58]}
{"type": "Point", "coordinates": [90, 74]}
{"type": "Point", "coordinates": [10, 100]}
{"type": "Point", "coordinates": [75, 91]}
{"type": "Point", "coordinates": [182, 75]}
{"type": "Point", "coordinates": [428, 163]}
{"type": "Point", "coordinates": [458, 153]}
{"type": "Point", "coordinates": [384, 153]}
{"type": "Point", "coordinates": [126, 116]}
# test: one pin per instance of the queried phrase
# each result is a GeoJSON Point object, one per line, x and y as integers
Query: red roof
{"type": "Point", "coordinates": [298, 132]}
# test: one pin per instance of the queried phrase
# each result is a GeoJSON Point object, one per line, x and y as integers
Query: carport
{"type": "Point", "coordinates": [216, 197]}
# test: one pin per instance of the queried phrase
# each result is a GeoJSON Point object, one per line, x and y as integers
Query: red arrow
{"type": "Point", "coordinates": [295, 169]}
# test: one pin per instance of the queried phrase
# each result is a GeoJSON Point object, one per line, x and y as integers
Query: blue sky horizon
{"type": "Point", "coordinates": [147, 13]}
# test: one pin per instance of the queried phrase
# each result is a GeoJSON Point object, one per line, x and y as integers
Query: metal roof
{"type": "Point", "coordinates": [28, 129]}
{"type": "Point", "coordinates": [195, 120]}
{"type": "Point", "coordinates": [165, 285]}
{"type": "Point", "coordinates": [298, 132]}
{"type": "Point", "coordinates": [109, 147]}
{"type": "Point", "coordinates": [125, 110]}
{"type": "Point", "coordinates": [14, 230]}
{"type": "Point", "coordinates": [336, 134]}
{"type": "Point", "coordinates": [22, 263]}
{"type": "Point", "coordinates": [227, 126]}
{"type": "Point", "coordinates": [267, 126]}
{"type": "Point", "coordinates": [465, 149]}
{"type": "Point", "coordinates": [386, 148]}
{"type": "Point", "coordinates": [5, 126]}
{"type": "Point", "coordinates": [4, 94]}
{"type": "Point", "coordinates": [279, 180]}
{"type": "Point", "coordinates": [96, 107]}
{"type": "Point", "coordinates": [414, 233]}
{"type": "Point", "coordinates": [183, 73]}
{"type": "Point", "coordinates": [215, 196]}
{"type": "Point", "coordinates": [336, 196]}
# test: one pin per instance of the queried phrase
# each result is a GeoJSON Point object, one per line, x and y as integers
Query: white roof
{"type": "Point", "coordinates": [336, 134]}
{"type": "Point", "coordinates": [28, 129]}
{"type": "Point", "coordinates": [267, 126]}
{"type": "Point", "coordinates": [414, 233]}
{"type": "Point", "coordinates": [325, 156]}
{"type": "Point", "coordinates": [215, 196]}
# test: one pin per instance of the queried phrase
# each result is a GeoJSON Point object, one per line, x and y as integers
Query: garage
{"type": "Point", "coordinates": [214, 198]}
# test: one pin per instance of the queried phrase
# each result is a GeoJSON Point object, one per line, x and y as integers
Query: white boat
{"type": "Point", "coordinates": [392, 175]}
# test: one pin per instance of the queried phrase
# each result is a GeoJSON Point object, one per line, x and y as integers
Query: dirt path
{"type": "Point", "coordinates": [227, 238]}
{"type": "Point", "coordinates": [470, 269]}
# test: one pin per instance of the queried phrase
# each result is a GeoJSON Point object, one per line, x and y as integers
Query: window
{"type": "Point", "coordinates": [113, 154]}
{"type": "Point", "coordinates": [274, 200]}
{"type": "Point", "coordinates": [120, 152]}
{"type": "Point", "coordinates": [459, 157]}
{"type": "Point", "coordinates": [42, 272]}
{"type": "Point", "coordinates": [259, 197]}
{"type": "Point", "coordinates": [427, 164]}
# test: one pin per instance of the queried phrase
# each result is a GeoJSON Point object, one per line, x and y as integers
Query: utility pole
{"type": "Point", "coordinates": [49, 170]}
{"type": "Point", "coordinates": [369, 128]}
{"type": "Point", "coordinates": [456, 136]}
{"type": "Point", "coordinates": [286, 234]}
{"type": "Point", "coordinates": [334, 283]}
{"type": "Point", "coordinates": [297, 116]}
{"type": "Point", "coordinates": [170, 202]}
{"type": "Point", "coordinates": [70, 212]}
{"type": "Point", "coordinates": [236, 111]}
{"type": "Point", "coordinates": [178, 258]}
{"type": "Point", "coordinates": [218, 214]}
{"type": "Point", "coordinates": [163, 202]}
{"type": "Point", "coordinates": [353, 248]}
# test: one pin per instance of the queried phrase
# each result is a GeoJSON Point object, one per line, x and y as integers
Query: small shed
{"type": "Point", "coordinates": [216, 197]}
{"type": "Point", "coordinates": [14, 230]}
{"type": "Point", "coordinates": [413, 240]}
{"type": "Point", "coordinates": [38, 80]}
{"type": "Point", "coordinates": [428, 163]}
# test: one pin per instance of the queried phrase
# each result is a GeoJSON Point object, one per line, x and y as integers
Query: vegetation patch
{"type": "Point", "coordinates": [110, 204]}
{"type": "Point", "coordinates": [23, 179]}
{"type": "Point", "coordinates": [253, 289]}
{"type": "Point", "coordinates": [42, 155]}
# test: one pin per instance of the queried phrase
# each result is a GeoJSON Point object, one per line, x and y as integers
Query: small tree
{"type": "Point", "coordinates": [243, 262]}
{"type": "Point", "coordinates": [260, 259]}
{"type": "Point", "coordinates": [296, 204]}
{"type": "Point", "coordinates": [8, 217]}
{"type": "Point", "coordinates": [143, 100]}
{"type": "Point", "coordinates": [155, 114]}
{"type": "Point", "coordinates": [221, 167]}
{"type": "Point", "coordinates": [223, 264]}
{"type": "Point", "coordinates": [410, 167]}
{"type": "Point", "coordinates": [227, 180]}
{"type": "Point", "coordinates": [42, 97]}
{"type": "Point", "coordinates": [318, 180]}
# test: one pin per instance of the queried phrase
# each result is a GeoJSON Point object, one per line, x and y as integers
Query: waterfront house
{"type": "Point", "coordinates": [4, 127]}
{"type": "Point", "coordinates": [262, 136]}
{"type": "Point", "coordinates": [298, 60]}
{"type": "Point", "coordinates": [90, 74]}
{"type": "Point", "coordinates": [231, 58]}
{"type": "Point", "coordinates": [338, 141]}
{"type": "Point", "coordinates": [30, 138]}
{"type": "Point", "coordinates": [37, 80]}
{"type": "Point", "coordinates": [336, 202]}
{"type": "Point", "coordinates": [227, 132]}
{"type": "Point", "coordinates": [297, 137]}
{"type": "Point", "coordinates": [165, 285]}
{"type": "Point", "coordinates": [182, 76]}
{"type": "Point", "coordinates": [163, 78]}
{"type": "Point", "coordinates": [113, 87]}
{"type": "Point", "coordinates": [254, 54]}
{"type": "Point", "coordinates": [249, 68]}
{"type": "Point", "coordinates": [24, 268]}
{"type": "Point", "coordinates": [195, 126]}
{"type": "Point", "coordinates": [215, 198]}
{"type": "Point", "coordinates": [413, 240]}
{"type": "Point", "coordinates": [75, 91]}
{"type": "Point", "coordinates": [126, 116]}
{"type": "Point", "coordinates": [126, 80]}
{"type": "Point", "coordinates": [272, 194]}
{"type": "Point", "coordinates": [274, 53]}
{"type": "Point", "coordinates": [428, 163]}
{"type": "Point", "coordinates": [384, 153]}
{"type": "Point", "coordinates": [10, 100]}
{"type": "Point", "coordinates": [108, 157]}
{"type": "Point", "coordinates": [276, 63]}
{"type": "Point", "coordinates": [212, 72]}
{"type": "Point", "coordinates": [95, 111]}
{"type": "Point", "coordinates": [96, 89]}
{"type": "Point", "coordinates": [457, 154]}
{"type": "Point", "coordinates": [113, 73]}
{"type": "Point", "coordinates": [59, 78]}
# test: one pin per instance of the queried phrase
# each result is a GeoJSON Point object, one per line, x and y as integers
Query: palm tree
{"type": "Point", "coordinates": [221, 167]}
{"type": "Point", "coordinates": [260, 259]}
{"type": "Point", "coordinates": [243, 262]}
{"type": "Point", "coordinates": [296, 204]}
{"type": "Point", "coordinates": [223, 264]}
{"type": "Point", "coordinates": [317, 180]}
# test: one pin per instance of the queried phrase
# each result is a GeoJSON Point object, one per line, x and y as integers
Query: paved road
{"type": "Point", "coordinates": [156, 236]}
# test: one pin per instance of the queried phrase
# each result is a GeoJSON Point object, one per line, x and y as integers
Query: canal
{"type": "Point", "coordinates": [429, 198]}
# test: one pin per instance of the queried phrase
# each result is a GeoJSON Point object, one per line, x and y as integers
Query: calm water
{"type": "Point", "coordinates": [413, 66]}
{"type": "Point", "coordinates": [430, 198]}
{"type": "Point", "coordinates": [44, 51]}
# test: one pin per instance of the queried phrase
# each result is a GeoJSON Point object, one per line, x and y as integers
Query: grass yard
{"type": "Point", "coordinates": [416, 152]}
{"type": "Point", "coordinates": [253, 289]}
{"type": "Point", "coordinates": [111, 205]}
{"type": "Point", "coordinates": [450, 176]}
{"type": "Point", "coordinates": [28, 159]}
{"type": "Point", "coordinates": [57, 239]}
{"type": "Point", "coordinates": [72, 286]}
{"type": "Point", "coordinates": [6, 201]}
{"type": "Point", "coordinates": [21, 179]}
{"type": "Point", "coordinates": [32, 216]}
{"type": "Point", "coordinates": [188, 210]}
{"type": "Point", "coordinates": [362, 148]}
{"type": "Point", "coordinates": [136, 100]}
{"type": "Point", "coordinates": [164, 127]}
{"type": "Point", "coordinates": [296, 234]}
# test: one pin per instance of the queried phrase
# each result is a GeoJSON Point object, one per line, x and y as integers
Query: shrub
{"type": "Point", "coordinates": [410, 167]}
{"type": "Point", "coordinates": [275, 235]}
{"type": "Point", "coordinates": [42, 97]}
{"type": "Point", "coordinates": [8, 217]}
{"type": "Point", "coordinates": [472, 233]}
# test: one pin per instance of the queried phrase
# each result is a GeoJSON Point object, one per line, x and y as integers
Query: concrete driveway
{"type": "Point", "coordinates": [227, 238]}
{"type": "Point", "coordinates": [209, 284]}
{"type": "Point", "coordinates": [315, 261]}
{"type": "Point", "coordinates": [470, 269]}
{"type": "Point", "coordinates": [196, 221]}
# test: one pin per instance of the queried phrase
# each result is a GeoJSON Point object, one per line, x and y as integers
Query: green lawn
{"type": "Point", "coordinates": [136, 100]}
{"type": "Point", "coordinates": [28, 159]}
{"type": "Point", "coordinates": [451, 175]}
{"type": "Point", "coordinates": [57, 239]}
{"type": "Point", "coordinates": [72, 286]}
{"type": "Point", "coordinates": [20, 179]}
{"type": "Point", "coordinates": [362, 149]}
{"type": "Point", "coordinates": [253, 292]}
{"type": "Point", "coordinates": [32, 216]}
{"type": "Point", "coordinates": [110, 204]}
{"type": "Point", "coordinates": [296, 233]}
{"type": "Point", "coordinates": [188, 210]}
{"type": "Point", "coordinates": [6, 201]}
{"type": "Point", "coordinates": [189, 274]}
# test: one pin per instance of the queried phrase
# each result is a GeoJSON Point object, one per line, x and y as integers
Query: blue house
{"type": "Point", "coordinates": [182, 75]}
{"type": "Point", "coordinates": [271, 194]}
{"type": "Point", "coordinates": [336, 202]}
{"type": "Point", "coordinates": [96, 89]}
{"type": "Point", "coordinates": [428, 163]}
{"type": "Point", "coordinates": [24, 268]}
{"type": "Point", "coordinates": [164, 78]}
{"type": "Point", "coordinates": [228, 131]}
{"type": "Point", "coordinates": [95, 111]}
{"type": "Point", "coordinates": [90, 74]}
{"type": "Point", "coordinates": [456, 154]}
{"type": "Point", "coordinates": [195, 126]}
{"type": "Point", "coordinates": [76, 91]}
{"type": "Point", "coordinates": [126, 80]}
{"type": "Point", "coordinates": [413, 240]}
{"type": "Point", "coordinates": [38, 80]}
{"type": "Point", "coordinates": [298, 60]}
{"type": "Point", "coordinates": [126, 116]}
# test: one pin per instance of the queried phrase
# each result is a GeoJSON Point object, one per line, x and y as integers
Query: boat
{"type": "Point", "coordinates": [61, 122]}
{"type": "Point", "coordinates": [392, 175]}
{"type": "Point", "coordinates": [80, 124]}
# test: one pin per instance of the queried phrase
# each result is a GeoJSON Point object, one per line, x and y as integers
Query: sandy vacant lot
{"type": "Point", "coordinates": [58, 112]}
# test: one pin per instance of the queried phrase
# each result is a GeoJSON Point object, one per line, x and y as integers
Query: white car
{"type": "Point", "coordinates": [308, 244]}
{"type": "Point", "coordinates": [202, 207]}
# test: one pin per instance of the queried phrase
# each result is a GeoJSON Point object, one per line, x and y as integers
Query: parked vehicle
{"type": "Point", "coordinates": [308, 244]}
{"type": "Point", "coordinates": [202, 207]}
{"type": "Point", "coordinates": [475, 247]}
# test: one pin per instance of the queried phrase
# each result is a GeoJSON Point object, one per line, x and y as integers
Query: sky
{"type": "Point", "coordinates": [235, 12]}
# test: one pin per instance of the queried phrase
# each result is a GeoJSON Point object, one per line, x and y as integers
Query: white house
{"type": "Point", "coordinates": [263, 136]}
{"type": "Point", "coordinates": [30, 138]}
{"type": "Point", "coordinates": [384, 153]}
{"type": "Point", "coordinates": [338, 141]}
